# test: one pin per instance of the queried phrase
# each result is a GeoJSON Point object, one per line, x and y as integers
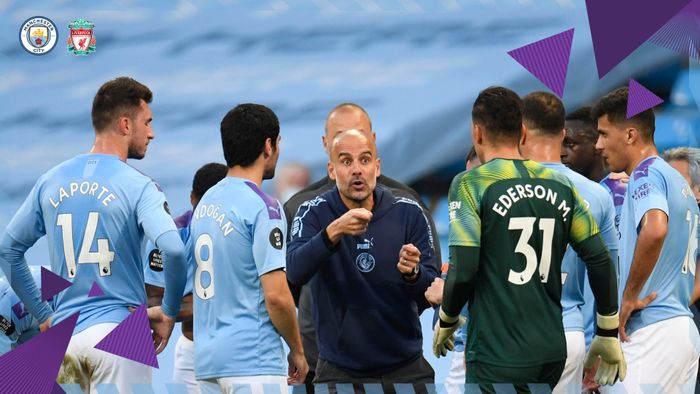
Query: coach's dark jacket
{"type": "Point", "coordinates": [365, 312]}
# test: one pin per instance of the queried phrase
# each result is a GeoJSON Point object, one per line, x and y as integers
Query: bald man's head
{"type": "Point", "coordinates": [345, 117]}
{"type": "Point", "coordinates": [354, 165]}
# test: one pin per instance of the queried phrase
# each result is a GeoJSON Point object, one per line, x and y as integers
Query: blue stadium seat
{"type": "Point", "coordinates": [677, 128]}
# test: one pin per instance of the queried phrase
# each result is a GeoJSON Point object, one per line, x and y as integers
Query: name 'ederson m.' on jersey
{"type": "Point", "coordinates": [521, 216]}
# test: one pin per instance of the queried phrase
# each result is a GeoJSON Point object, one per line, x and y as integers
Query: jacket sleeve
{"type": "Point", "coordinates": [421, 238]}
{"type": "Point", "coordinates": [309, 247]}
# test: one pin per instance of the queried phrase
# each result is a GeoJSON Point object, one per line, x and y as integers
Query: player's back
{"type": "Point", "coordinates": [88, 206]}
{"type": "Point", "coordinates": [233, 330]}
{"type": "Point", "coordinates": [577, 298]}
{"type": "Point", "coordinates": [522, 216]}
{"type": "Point", "coordinates": [654, 184]}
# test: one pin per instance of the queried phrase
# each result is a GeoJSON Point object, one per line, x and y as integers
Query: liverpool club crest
{"type": "Point", "coordinates": [81, 40]}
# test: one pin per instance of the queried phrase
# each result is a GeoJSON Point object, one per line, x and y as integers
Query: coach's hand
{"type": "Point", "coordinates": [606, 346]}
{"type": "Point", "coordinates": [298, 368]}
{"type": "Point", "coordinates": [409, 260]}
{"type": "Point", "coordinates": [444, 334]}
{"type": "Point", "coordinates": [162, 326]}
{"type": "Point", "coordinates": [353, 222]}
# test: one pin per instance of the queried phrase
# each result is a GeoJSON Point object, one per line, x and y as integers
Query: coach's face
{"type": "Point", "coordinates": [612, 143]}
{"type": "Point", "coordinates": [354, 165]}
{"type": "Point", "coordinates": [141, 132]}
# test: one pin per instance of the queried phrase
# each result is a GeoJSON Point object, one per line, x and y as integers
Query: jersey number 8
{"type": "Point", "coordinates": [204, 265]}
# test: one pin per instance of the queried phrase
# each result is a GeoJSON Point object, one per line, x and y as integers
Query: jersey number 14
{"type": "Point", "coordinates": [103, 256]}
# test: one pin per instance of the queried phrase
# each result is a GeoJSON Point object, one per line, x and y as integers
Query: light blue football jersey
{"type": "Point", "coordinates": [95, 210]}
{"type": "Point", "coordinates": [16, 324]}
{"type": "Point", "coordinates": [578, 303]}
{"type": "Point", "coordinates": [238, 233]}
{"type": "Point", "coordinates": [656, 185]}
{"type": "Point", "coordinates": [153, 260]}
{"type": "Point", "coordinates": [617, 190]}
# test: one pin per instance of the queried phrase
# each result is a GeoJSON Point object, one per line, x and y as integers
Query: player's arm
{"type": "Point", "coordinates": [652, 233]}
{"type": "Point", "coordinates": [153, 276]}
{"type": "Point", "coordinates": [586, 240]}
{"type": "Point", "coordinates": [160, 228]}
{"type": "Point", "coordinates": [155, 298]}
{"type": "Point", "coordinates": [269, 251]}
{"type": "Point", "coordinates": [25, 228]}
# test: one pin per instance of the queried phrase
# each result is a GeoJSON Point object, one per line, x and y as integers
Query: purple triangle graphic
{"type": "Point", "coordinates": [52, 284]}
{"type": "Point", "coordinates": [132, 339]}
{"type": "Point", "coordinates": [547, 59]}
{"type": "Point", "coordinates": [57, 389]}
{"type": "Point", "coordinates": [640, 99]}
{"type": "Point", "coordinates": [682, 33]}
{"type": "Point", "coordinates": [95, 290]}
{"type": "Point", "coordinates": [614, 41]}
{"type": "Point", "coordinates": [33, 366]}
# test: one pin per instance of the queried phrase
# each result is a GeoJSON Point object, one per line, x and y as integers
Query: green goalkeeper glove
{"type": "Point", "coordinates": [606, 346]}
{"type": "Point", "coordinates": [443, 336]}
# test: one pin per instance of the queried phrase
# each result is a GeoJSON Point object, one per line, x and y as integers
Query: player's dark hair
{"type": "Point", "coordinates": [543, 112]}
{"type": "Point", "coordinates": [244, 131]}
{"type": "Point", "coordinates": [589, 126]}
{"type": "Point", "coordinates": [119, 97]}
{"type": "Point", "coordinates": [614, 105]}
{"type": "Point", "coordinates": [207, 176]}
{"type": "Point", "coordinates": [499, 111]}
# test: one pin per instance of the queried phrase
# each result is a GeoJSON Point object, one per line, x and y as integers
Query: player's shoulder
{"type": "Point", "coordinates": [650, 168]}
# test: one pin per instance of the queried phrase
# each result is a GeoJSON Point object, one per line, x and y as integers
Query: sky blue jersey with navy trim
{"type": "Point", "coordinates": [153, 260]}
{"type": "Point", "coordinates": [95, 211]}
{"type": "Point", "coordinates": [239, 235]}
{"type": "Point", "coordinates": [654, 184]}
{"type": "Point", "coordinates": [578, 303]}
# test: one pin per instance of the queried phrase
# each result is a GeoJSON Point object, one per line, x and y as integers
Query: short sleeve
{"type": "Point", "coordinates": [465, 222]}
{"type": "Point", "coordinates": [269, 239]}
{"type": "Point", "coordinates": [152, 212]}
{"type": "Point", "coordinates": [647, 191]}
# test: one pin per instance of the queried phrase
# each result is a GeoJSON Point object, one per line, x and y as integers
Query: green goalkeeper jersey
{"type": "Point", "coordinates": [521, 215]}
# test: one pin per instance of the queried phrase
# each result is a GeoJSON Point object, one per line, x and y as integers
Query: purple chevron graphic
{"type": "Point", "coordinates": [52, 284]}
{"type": "Point", "coordinates": [614, 40]}
{"type": "Point", "coordinates": [639, 99]}
{"type": "Point", "coordinates": [57, 389]}
{"type": "Point", "coordinates": [132, 339]}
{"type": "Point", "coordinates": [547, 59]}
{"type": "Point", "coordinates": [95, 290]}
{"type": "Point", "coordinates": [32, 367]}
{"type": "Point", "coordinates": [682, 33]}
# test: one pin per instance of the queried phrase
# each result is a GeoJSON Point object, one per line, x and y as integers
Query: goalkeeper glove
{"type": "Point", "coordinates": [606, 346]}
{"type": "Point", "coordinates": [443, 336]}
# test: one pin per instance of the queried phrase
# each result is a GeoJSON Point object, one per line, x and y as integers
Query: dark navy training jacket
{"type": "Point", "coordinates": [365, 312]}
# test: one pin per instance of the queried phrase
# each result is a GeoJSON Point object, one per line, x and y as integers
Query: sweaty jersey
{"type": "Point", "coordinates": [654, 184]}
{"type": "Point", "coordinates": [578, 304]}
{"type": "Point", "coordinates": [95, 210]}
{"type": "Point", "coordinates": [239, 235]}
{"type": "Point", "coordinates": [153, 260]}
{"type": "Point", "coordinates": [16, 324]}
{"type": "Point", "coordinates": [521, 216]}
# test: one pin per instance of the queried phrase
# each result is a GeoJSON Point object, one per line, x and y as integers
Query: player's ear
{"type": "Point", "coordinates": [523, 134]}
{"type": "Point", "coordinates": [267, 149]}
{"type": "Point", "coordinates": [562, 136]}
{"type": "Point", "coordinates": [477, 135]}
{"type": "Point", "coordinates": [631, 135]}
{"type": "Point", "coordinates": [124, 125]}
{"type": "Point", "coordinates": [193, 200]}
{"type": "Point", "coordinates": [379, 167]}
{"type": "Point", "coordinates": [331, 170]}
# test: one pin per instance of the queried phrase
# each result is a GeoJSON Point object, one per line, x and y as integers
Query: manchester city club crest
{"type": "Point", "coordinates": [81, 40]}
{"type": "Point", "coordinates": [365, 262]}
{"type": "Point", "coordinates": [38, 35]}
